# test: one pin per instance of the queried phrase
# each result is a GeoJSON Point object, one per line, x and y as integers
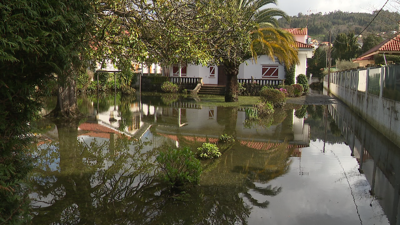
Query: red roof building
{"type": "Point", "coordinates": [391, 46]}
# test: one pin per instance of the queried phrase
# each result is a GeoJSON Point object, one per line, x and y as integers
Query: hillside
{"type": "Point", "coordinates": [343, 22]}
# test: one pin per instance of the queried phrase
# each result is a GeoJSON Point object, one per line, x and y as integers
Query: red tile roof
{"type": "Point", "coordinates": [388, 46]}
{"type": "Point", "coordinates": [96, 128]}
{"type": "Point", "coordinates": [297, 31]}
{"type": "Point", "coordinates": [302, 45]}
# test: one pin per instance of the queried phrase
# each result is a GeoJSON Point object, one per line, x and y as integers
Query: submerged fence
{"type": "Point", "coordinates": [382, 82]}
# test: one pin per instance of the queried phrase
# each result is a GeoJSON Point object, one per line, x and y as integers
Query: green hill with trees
{"type": "Point", "coordinates": [319, 24]}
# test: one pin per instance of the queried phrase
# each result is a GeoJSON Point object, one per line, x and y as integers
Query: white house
{"type": "Point", "coordinates": [264, 68]}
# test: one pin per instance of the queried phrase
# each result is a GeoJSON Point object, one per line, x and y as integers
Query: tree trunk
{"type": "Point", "coordinates": [66, 98]}
{"type": "Point", "coordinates": [231, 90]}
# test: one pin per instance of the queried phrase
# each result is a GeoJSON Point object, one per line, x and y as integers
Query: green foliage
{"type": "Point", "coordinates": [370, 41]}
{"type": "Point", "coordinates": [34, 45]}
{"type": "Point", "coordinates": [168, 99]}
{"type": "Point", "coordinates": [179, 167]}
{"type": "Point", "coordinates": [319, 24]}
{"type": "Point", "coordinates": [169, 87]}
{"type": "Point", "coordinates": [275, 97]}
{"type": "Point", "coordinates": [289, 75]}
{"type": "Point", "coordinates": [208, 151]}
{"type": "Point", "coordinates": [241, 89]}
{"type": "Point", "coordinates": [301, 113]}
{"type": "Point", "coordinates": [380, 60]}
{"type": "Point", "coordinates": [264, 109]}
{"type": "Point", "coordinates": [224, 138]}
{"type": "Point", "coordinates": [297, 89]}
{"type": "Point", "coordinates": [345, 47]}
{"type": "Point", "coordinates": [302, 79]}
{"type": "Point", "coordinates": [345, 65]}
{"type": "Point", "coordinates": [317, 63]}
{"type": "Point", "coordinates": [127, 90]}
{"type": "Point", "coordinates": [251, 113]}
{"type": "Point", "coordinates": [289, 90]}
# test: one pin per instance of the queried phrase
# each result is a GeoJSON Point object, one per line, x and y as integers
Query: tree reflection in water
{"type": "Point", "coordinates": [81, 180]}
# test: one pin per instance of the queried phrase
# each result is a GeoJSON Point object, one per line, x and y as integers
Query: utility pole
{"type": "Point", "coordinates": [329, 62]}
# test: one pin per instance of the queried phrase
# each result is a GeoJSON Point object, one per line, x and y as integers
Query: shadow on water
{"type": "Point", "coordinates": [102, 170]}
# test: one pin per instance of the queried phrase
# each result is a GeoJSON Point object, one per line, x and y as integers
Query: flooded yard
{"type": "Point", "coordinates": [311, 164]}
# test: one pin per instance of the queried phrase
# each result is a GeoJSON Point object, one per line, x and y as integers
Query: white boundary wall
{"type": "Point", "coordinates": [352, 88]}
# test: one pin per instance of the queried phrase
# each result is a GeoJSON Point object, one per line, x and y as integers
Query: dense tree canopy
{"type": "Point", "coordinates": [369, 42]}
{"type": "Point", "coordinates": [345, 46]}
{"type": "Point", "coordinates": [317, 63]}
{"type": "Point", "coordinates": [37, 38]}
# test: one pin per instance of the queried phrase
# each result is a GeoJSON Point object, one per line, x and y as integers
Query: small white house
{"type": "Point", "coordinates": [264, 68]}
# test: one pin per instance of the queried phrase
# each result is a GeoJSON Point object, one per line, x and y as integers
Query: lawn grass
{"type": "Point", "coordinates": [217, 100]}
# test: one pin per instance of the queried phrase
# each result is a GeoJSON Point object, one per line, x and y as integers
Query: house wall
{"type": "Point", "coordinates": [253, 69]}
{"type": "Point", "coordinates": [302, 67]}
{"type": "Point", "coordinates": [204, 72]}
{"type": "Point", "coordinates": [301, 38]}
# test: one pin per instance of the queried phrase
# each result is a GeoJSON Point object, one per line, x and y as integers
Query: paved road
{"type": "Point", "coordinates": [313, 98]}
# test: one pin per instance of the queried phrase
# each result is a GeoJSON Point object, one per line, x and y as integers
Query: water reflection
{"type": "Point", "coordinates": [296, 163]}
{"type": "Point", "coordinates": [378, 158]}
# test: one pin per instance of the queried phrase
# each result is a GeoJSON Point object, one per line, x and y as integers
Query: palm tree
{"type": "Point", "coordinates": [274, 42]}
{"type": "Point", "coordinates": [266, 17]}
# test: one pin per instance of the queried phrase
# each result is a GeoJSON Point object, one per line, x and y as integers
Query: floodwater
{"type": "Point", "coordinates": [315, 164]}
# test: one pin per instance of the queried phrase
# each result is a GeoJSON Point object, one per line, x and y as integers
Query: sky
{"type": "Point", "coordinates": [293, 7]}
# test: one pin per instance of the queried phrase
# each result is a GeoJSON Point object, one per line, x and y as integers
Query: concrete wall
{"type": "Point", "coordinates": [381, 113]}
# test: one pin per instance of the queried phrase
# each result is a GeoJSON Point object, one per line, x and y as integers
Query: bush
{"type": "Point", "coordinates": [169, 87]}
{"type": "Point", "coordinates": [302, 79]}
{"type": "Point", "coordinates": [289, 77]}
{"type": "Point", "coordinates": [208, 151]}
{"type": "Point", "coordinates": [265, 108]}
{"type": "Point", "coordinates": [128, 90]}
{"type": "Point", "coordinates": [301, 113]}
{"type": "Point", "coordinates": [284, 91]}
{"type": "Point", "coordinates": [224, 138]}
{"type": "Point", "coordinates": [179, 167]}
{"type": "Point", "coordinates": [298, 90]}
{"type": "Point", "coordinates": [251, 113]}
{"type": "Point", "coordinates": [290, 90]}
{"type": "Point", "coordinates": [275, 97]}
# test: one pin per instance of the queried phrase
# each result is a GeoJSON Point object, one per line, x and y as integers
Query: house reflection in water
{"type": "Point", "coordinates": [197, 122]}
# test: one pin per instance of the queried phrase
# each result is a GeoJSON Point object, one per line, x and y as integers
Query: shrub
{"type": "Point", "coordinates": [251, 113]}
{"type": "Point", "coordinates": [302, 79]}
{"type": "Point", "coordinates": [284, 91]}
{"type": "Point", "coordinates": [168, 99]}
{"type": "Point", "coordinates": [289, 77]}
{"type": "Point", "coordinates": [290, 90]}
{"type": "Point", "coordinates": [128, 90]}
{"type": "Point", "coordinates": [301, 113]}
{"type": "Point", "coordinates": [265, 108]}
{"type": "Point", "coordinates": [226, 138]}
{"type": "Point", "coordinates": [208, 151]}
{"type": "Point", "coordinates": [275, 97]}
{"type": "Point", "coordinates": [179, 167]}
{"type": "Point", "coordinates": [298, 89]}
{"type": "Point", "coordinates": [169, 87]}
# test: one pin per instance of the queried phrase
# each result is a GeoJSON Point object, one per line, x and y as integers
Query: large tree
{"type": "Point", "coordinates": [36, 39]}
{"type": "Point", "coordinates": [317, 63]}
{"type": "Point", "coordinates": [345, 46]}
{"type": "Point", "coordinates": [369, 42]}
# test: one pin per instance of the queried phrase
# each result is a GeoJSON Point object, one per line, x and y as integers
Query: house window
{"type": "Point", "coordinates": [175, 71]}
{"type": "Point", "coordinates": [212, 71]}
{"type": "Point", "coordinates": [270, 71]}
